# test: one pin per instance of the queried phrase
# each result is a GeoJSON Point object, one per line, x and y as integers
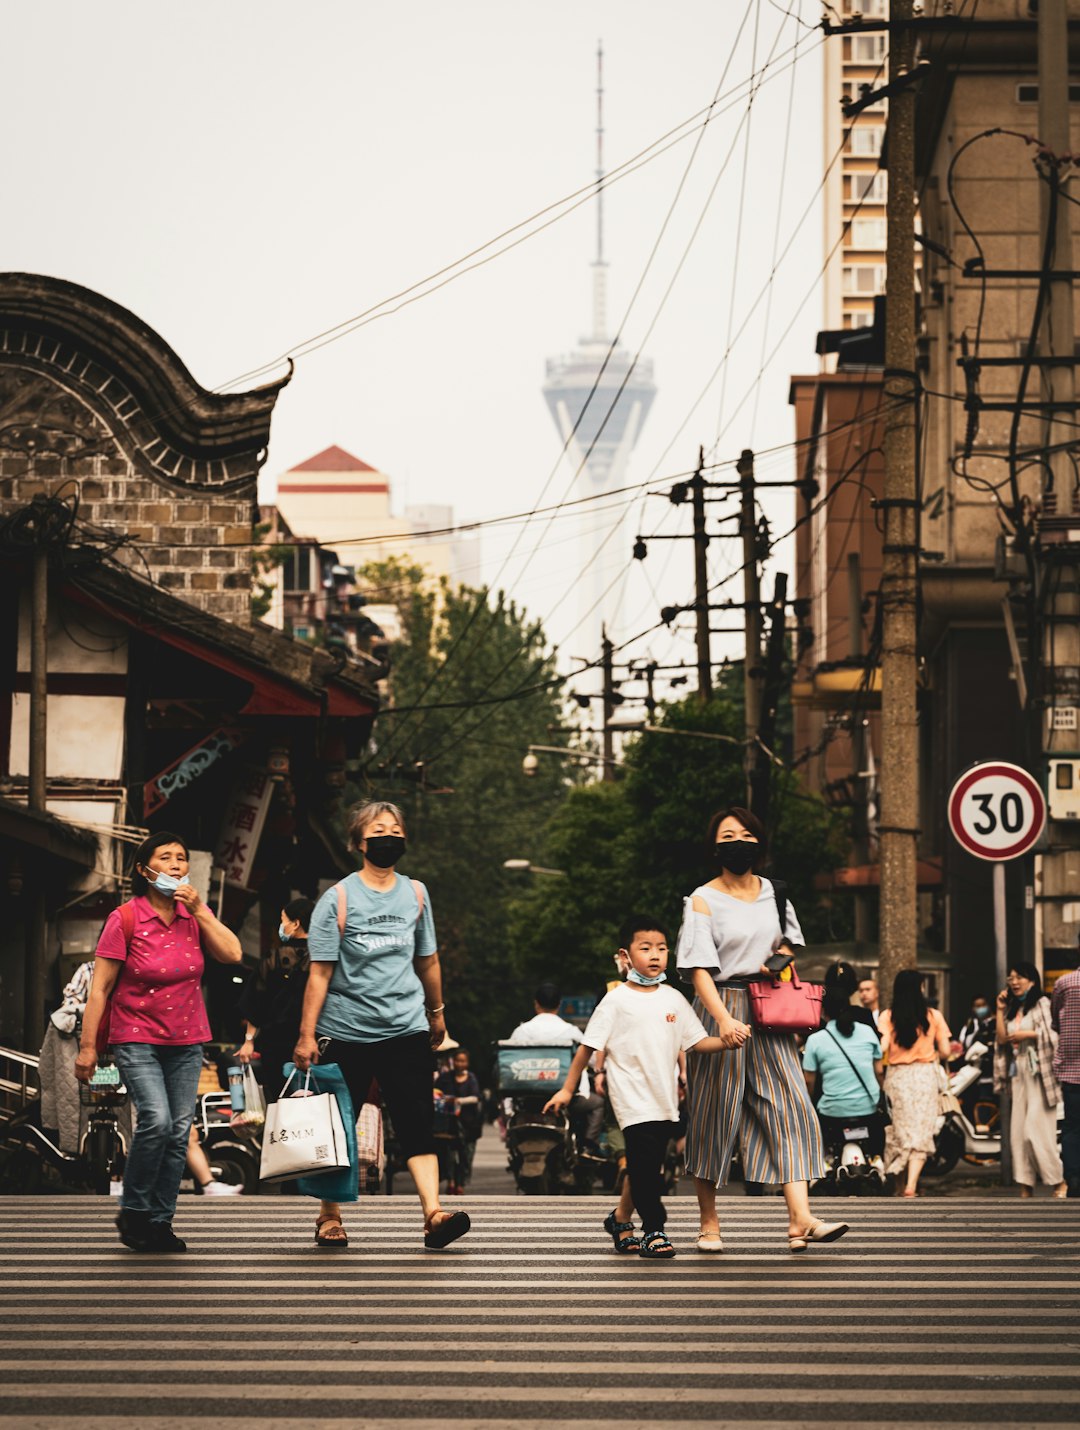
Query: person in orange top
{"type": "Point", "coordinates": [914, 1037]}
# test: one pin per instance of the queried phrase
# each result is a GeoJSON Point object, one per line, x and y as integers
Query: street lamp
{"type": "Point", "coordinates": [526, 866]}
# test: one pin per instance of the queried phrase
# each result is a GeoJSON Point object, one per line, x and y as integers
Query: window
{"type": "Point", "coordinates": [1029, 94]}
{"type": "Point", "coordinates": [868, 49]}
{"type": "Point", "coordinates": [869, 9]}
{"type": "Point", "coordinates": [867, 188]}
{"type": "Point", "coordinates": [866, 140]}
{"type": "Point", "coordinates": [864, 279]}
{"type": "Point", "coordinates": [868, 233]}
{"type": "Point", "coordinates": [860, 320]}
{"type": "Point", "coordinates": [297, 569]}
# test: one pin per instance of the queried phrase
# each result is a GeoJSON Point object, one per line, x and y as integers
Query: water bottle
{"type": "Point", "coordinates": [236, 1089]}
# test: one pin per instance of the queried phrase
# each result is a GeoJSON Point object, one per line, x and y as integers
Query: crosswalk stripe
{"type": "Point", "coordinates": [958, 1304]}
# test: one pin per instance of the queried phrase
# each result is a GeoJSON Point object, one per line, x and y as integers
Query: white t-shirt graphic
{"type": "Point", "coordinates": [642, 1035]}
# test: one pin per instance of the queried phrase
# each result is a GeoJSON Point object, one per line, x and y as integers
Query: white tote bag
{"type": "Point", "coordinates": [303, 1136]}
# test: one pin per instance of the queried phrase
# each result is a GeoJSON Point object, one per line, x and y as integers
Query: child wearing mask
{"type": "Point", "coordinates": [641, 1028]}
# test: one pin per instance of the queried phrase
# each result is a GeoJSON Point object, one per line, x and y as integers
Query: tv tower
{"type": "Point", "coordinates": [599, 398]}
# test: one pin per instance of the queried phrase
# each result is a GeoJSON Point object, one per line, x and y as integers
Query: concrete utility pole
{"type": "Point", "coordinates": [751, 616]}
{"type": "Point", "coordinates": [608, 667]}
{"type": "Point", "coordinates": [701, 582]}
{"type": "Point", "coordinates": [898, 828]}
{"type": "Point", "coordinates": [761, 778]}
{"type": "Point", "coordinates": [1061, 631]}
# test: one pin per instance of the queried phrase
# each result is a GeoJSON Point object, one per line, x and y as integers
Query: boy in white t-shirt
{"type": "Point", "coordinates": [641, 1028]}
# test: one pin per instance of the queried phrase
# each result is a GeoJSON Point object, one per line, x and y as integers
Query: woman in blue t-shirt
{"type": "Point", "coordinates": [374, 1000]}
{"type": "Point", "coordinates": [847, 1054]}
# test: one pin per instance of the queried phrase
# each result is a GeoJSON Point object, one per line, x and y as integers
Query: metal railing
{"type": "Point", "coordinates": [19, 1081]}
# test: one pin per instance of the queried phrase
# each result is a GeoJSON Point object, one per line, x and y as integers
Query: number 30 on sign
{"type": "Point", "coordinates": [996, 811]}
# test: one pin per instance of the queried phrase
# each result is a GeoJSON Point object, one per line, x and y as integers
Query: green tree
{"type": "Point", "coordinates": [638, 845]}
{"type": "Point", "coordinates": [473, 685]}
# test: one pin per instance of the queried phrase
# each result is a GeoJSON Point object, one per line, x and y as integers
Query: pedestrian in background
{"type": "Point", "coordinates": [870, 998]}
{"type": "Point", "coordinates": [273, 997]}
{"type": "Point", "coordinates": [152, 970]}
{"type": "Point", "coordinates": [374, 992]}
{"type": "Point", "coordinates": [755, 1098]}
{"type": "Point", "coordinates": [1024, 1061]}
{"type": "Point", "coordinates": [914, 1038]}
{"type": "Point", "coordinates": [842, 978]}
{"type": "Point", "coordinates": [1065, 1014]}
{"type": "Point", "coordinates": [847, 1054]}
{"type": "Point", "coordinates": [463, 1089]}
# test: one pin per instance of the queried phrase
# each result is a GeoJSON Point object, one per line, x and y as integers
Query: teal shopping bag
{"type": "Point", "coordinates": [342, 1184]}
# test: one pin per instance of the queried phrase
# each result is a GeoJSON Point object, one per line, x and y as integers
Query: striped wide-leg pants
{"type": "Point", "coordinates": [753, 1098]}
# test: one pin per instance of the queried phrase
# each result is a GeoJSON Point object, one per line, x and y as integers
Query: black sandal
{"type": "Point", "coordinates": [438, 1237]}
{"type": "Point", "coordinates": [656, 1247]}
{"type": "Point", "coordinates": [615, 1229]}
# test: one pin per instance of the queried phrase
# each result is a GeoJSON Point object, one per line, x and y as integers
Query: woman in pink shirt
{"type": "Point", "coordinates": [149, 958]}
{"type": "Point", "coordinates": [914, 1037]}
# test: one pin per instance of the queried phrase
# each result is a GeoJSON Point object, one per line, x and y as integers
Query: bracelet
{"type": "Point", "coordinates": [431, 1012]}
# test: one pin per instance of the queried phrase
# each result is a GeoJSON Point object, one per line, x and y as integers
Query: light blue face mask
{"type": "Point", "coordinates": [633, 976]}
{"type": "Point", "coordinates": [166, 884]}
{"type": "Point", "coordinates": [283, 936]}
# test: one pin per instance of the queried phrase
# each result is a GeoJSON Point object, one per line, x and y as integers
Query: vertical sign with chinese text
{"type": "Point", "coordinates": [242, 826]}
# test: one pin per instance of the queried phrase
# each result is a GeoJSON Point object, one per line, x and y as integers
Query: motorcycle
{"type": "Point", "coordinates": [544, 1154]}
{"type": "Point", "coordinates": [852, 1170]}
{"type": "Point", "coordinates": [31, 1159]}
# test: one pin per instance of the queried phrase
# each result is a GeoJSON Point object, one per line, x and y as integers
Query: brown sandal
{"type": "Point", "coordinates": [330, 1243]}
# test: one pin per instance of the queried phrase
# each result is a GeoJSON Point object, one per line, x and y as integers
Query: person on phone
{"type": "Point", "coordinates": [273, 998]}
{"type": "Point", "coordinates": [374, 994]}
{"type": "Point", "coordinates": [914, 1038]}
{"type": "Point", "coordinates": [1025, 1045]}
{"type": "Point", "coordinates": [157, 1026]}
{"type": "Point", "coordinates": [756, 1099]}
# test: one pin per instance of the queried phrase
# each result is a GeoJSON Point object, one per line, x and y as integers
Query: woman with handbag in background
{"type": "Point", "coordinates": [753, 1097]}
{"type": "Point", "coordinates": [273, 998]}
{"type": "Point", "coordinates": [914, 1037]}
{"type": "Point", "coordinates": [1024, 1047]}
{"type": "Point", "coordinates": [374, 1007]}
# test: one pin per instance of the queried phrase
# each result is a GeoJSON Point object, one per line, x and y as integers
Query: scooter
{"type": "Point", "coordinates": [851, 1169]}
{"type": "Point", "coordinates": [977, 1138]}
{"type": "Point", "coordinates": [233, 1155]}
{"type": "Point", "coordinates": [30, 1159]}
{"type": "Point", "coordinates": [543, 1152]}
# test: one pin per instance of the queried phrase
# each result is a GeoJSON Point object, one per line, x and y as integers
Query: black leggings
{"type": "Point", "coordinates": [404, 1069]}
{"type": "Point", "coordinates": [646, 1148]}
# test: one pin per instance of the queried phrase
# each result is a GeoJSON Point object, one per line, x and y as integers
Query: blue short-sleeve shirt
{"type": "Point", "coordinates": [846, 1091]}
{"type": "Point", "coordinates": [374, 992]}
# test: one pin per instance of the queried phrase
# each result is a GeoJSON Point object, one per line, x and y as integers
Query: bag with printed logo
{"type": "Point", "coordinates": [304, 1134]}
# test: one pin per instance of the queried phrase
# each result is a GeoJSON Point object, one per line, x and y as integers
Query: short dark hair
{"type": "Point", "coordinates": [640, 923]}
{"type": "Point", "coordinates": [301, 910]}
{"type": "Point", "coordinates": [146, 849]}
{"type": "Point", "coordinates": [548, 996]}
{"type": "Point", "coordinates": [749, 822]}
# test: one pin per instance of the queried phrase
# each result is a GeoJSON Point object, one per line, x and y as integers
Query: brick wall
{"type": "Point", "coordinates": [90, 395]}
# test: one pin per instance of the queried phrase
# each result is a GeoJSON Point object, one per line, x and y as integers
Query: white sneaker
{"type": "Point", "coordinates": [222, 1189]}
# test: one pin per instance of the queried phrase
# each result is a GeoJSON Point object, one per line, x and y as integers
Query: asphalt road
{"type": "Point", "coordinates": [944, 1311]}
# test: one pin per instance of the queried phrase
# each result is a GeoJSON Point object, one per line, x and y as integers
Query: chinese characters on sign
{"type": "Point", "coordinates": [245, 815]}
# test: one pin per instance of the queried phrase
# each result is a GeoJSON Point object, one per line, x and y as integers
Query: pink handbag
{"type": "Point", "coordinates": [793, 1007]}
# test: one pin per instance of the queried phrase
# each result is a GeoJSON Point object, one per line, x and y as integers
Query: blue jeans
{"type": "Point", "coordinates": [163, 1083]}
{"type": "Point", "coordinates": [1070, 1135]}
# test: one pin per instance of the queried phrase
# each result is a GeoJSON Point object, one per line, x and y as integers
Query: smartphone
{"type": "Point", "coordinates": [779, 961]}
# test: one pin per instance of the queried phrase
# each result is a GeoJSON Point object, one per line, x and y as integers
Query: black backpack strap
{"type": "Point", "coordinates": [779, 889]}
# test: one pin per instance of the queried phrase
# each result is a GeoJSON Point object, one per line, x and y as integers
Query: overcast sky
{"type": "Point", "coordinates": [245, 175]}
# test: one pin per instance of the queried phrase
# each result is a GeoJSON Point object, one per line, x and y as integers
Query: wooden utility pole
{"type": "Point", "coordinates": [751, 615]}
{"type": "Point", "coordinates": [761, 777]}
{"type": "Point", "coordinates": [608, 667]}
{"type": "Point", "coordinates": [701, 582]}
{"type": "Point", "coordinates": [898, 827]}
{"type": "Point", "coordinates": [37, 789]}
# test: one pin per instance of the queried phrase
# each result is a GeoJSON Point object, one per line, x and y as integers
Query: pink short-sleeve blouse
{"type": "Point", "coordinates": [157, 997]}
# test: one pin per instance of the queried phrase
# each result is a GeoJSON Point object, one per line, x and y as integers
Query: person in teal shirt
{"type": "Point", "coordinates": [374, 1006]}
{"type": "Point", "coordinates": [847, 1054]}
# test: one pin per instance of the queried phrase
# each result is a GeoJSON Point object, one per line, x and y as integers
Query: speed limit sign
{"type": "Point", "coordinates": [996, 811]}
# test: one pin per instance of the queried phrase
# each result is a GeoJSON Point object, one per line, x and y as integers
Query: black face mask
{"type": "Point", "coordinates": [384, 850]}
{"type": "Point", "coordinates": [736, 855]}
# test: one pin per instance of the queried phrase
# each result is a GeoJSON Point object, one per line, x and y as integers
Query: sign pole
{"type": "Point", "coordinates": [1001, 971]}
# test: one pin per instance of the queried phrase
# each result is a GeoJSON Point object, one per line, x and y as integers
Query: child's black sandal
{"type": "Point", "coordinates": [615, 1229]}
{"type": "Point", "coordinates": [656, 1247]}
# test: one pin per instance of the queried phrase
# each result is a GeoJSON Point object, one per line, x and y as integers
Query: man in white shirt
{"type": "Point", "coordinates": [548, 1030]}
{"type": "Point", "coordinates": [869, 998]}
